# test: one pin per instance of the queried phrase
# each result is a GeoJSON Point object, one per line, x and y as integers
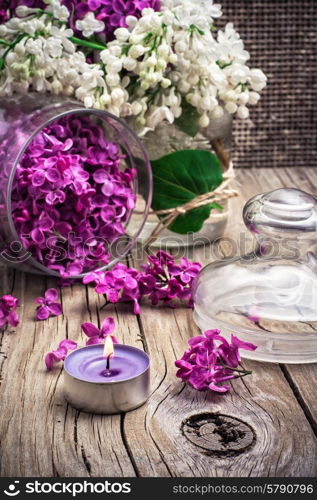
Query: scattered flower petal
{"type": "Point", "coordinates": [48, 305]}
{"type": "Point", "coordinates": [98, 335]}
{"type": "Point", "coordinates": [212, 360]}
{"type": "Point", "coordinates": [60, 353]}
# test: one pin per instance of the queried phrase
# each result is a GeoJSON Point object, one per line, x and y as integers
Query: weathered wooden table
{"type": "Point", "coordinates": [266, 426]}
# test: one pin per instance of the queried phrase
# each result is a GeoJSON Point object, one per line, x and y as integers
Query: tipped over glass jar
{"type": "Point", "coordinates": [70, 178]}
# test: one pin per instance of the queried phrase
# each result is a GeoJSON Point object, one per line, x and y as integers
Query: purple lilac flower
{"type": "Point", "coordinates": [165, 280]}
{"type": "Point", "coordinates": [112, 12]}
{"type": "Point", "coordinates": [71, 196]}
{"type": "Point", "coordinates": [211, 360]}
{"type": "Point", "coordinates": [120, 284]}
{"type": "Point", "coordinates": [8, 315]}
{"type": "Point", "coordinates": [98, 335]}
{"type": "Point", "coordinates": [3, 15]}
{"type": "Point", "coordinates": [60, 353]}
{"type": "Point", "coordinates": [48, 305]}
{"type": "Point", "coordinates": [161, 279]}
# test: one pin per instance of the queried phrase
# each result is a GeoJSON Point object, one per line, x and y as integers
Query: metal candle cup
{"type": "Point", "coordinates": [89, 387]}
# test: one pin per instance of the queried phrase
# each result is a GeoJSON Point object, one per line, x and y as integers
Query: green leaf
{"type": "Point", "coordinates": [179, 178]}
{"type": "Point", "coordinates": [188, 122]}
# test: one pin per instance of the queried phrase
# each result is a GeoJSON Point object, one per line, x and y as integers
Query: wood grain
{"type": "Point", "coordinates": [41, 435]}
{"type": "Point", "coordinates": [265, 402]}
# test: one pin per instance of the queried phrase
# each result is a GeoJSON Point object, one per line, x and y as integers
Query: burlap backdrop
{"type": "Point", "coordinates": [281, 36]}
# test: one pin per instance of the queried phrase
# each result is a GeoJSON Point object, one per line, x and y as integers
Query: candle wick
{"type": "Point", "coordinates": [108, 365]}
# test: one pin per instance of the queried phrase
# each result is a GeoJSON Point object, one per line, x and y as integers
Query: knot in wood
{"type": "Point", "coordinates": [219, 434]}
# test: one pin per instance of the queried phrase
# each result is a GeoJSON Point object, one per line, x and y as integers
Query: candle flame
{"type": "Point", "coordinates": [108, 351]}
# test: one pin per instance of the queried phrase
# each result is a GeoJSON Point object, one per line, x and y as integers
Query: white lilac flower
{"type": "Point", "coordinates": [53, 47]}
{"type": "Point", "coordinates": [243, 112]}
{"type": "Point", "coordinates": [122, 34]}
{"type": "Point", "coordinates": [92, 77]}
{"type": "Point", "coordinates": [131, 21]}
{"type": "Point", "coordinates": [55, 87]}
{"type": "Point", "coordinates": [39, 80]}
{"type": "Point", "coordinates": [90, 25]}
{"type": "Point", "coordinates": [257, 79]}
{"type": "Point", "coordinates": [59, 11]}
{"type": "Point", "coordinates": [34, 46]}
{"type": "Point", "coordinates": [230, 47]}
{"type": "Point", "coordinates": [158, 115]}
{"type": "Point", "coordinates": [24, 11]}
{"type": "Point", "coordinates": [3, 30]}
{"type": "Point", "coordinates": [199, 13]}
{"type": "Point", "coordinates": [64, 34]}
{"type": "Point", "coordinates": [13, 25]}
{"type": "Point", "coordinates": [19, 49]}
{"type": "Point", "coordinates": [32, 26]}
{"type": "Point", "coordinates": [254, 98]}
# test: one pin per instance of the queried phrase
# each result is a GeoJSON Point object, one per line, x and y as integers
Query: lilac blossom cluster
{"type": "Point", "coordinates": [113, 13]}
{"type": "Point", "coordinates": [8, 314]}
{"type": "Point", "coordinates": [165, 279]}
{"type": "Point", "coordinates": [158, 58]}
{"type": "Point", "coordinates": [212, 360]}
{"type": "Point", "coordinates": [120, 284]}
{"type": "Point", "coordinates": [161, 279]}
{"type": "Point", "coordinates": [71, 198]}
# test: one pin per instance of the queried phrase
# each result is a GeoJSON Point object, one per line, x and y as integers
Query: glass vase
{"type": "Point", "coordinates": [168, 138]}
{"type": "Point", "coordinates": [21, 119]}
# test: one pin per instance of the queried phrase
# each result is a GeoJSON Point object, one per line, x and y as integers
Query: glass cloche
{"type": "Point", "coordinates": [269, 296]}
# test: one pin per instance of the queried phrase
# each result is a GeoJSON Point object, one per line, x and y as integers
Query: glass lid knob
{"type": "Point", "coordinates": [280, 213]}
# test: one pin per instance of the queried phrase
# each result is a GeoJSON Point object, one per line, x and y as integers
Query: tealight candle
{"type": "Point", "coordinates": [107, 378]}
